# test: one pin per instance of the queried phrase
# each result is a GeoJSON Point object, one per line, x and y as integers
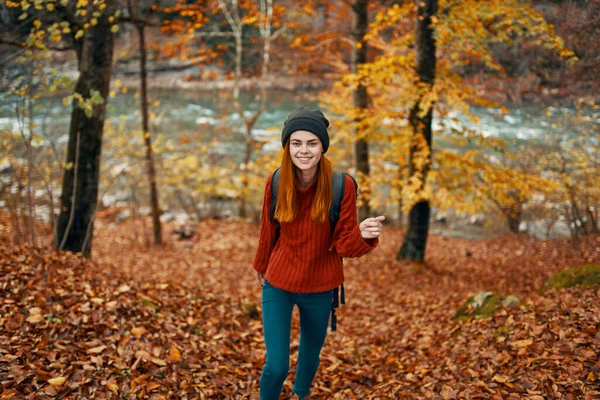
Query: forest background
{"type": "Point", "coordinates": [460, 120]}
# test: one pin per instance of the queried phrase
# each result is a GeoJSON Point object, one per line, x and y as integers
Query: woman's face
{"type": "Point", "coordinates": [306, 150]}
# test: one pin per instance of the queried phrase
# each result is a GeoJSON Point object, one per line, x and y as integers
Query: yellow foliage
{"type": "Point", "coordinates": [460, 172]}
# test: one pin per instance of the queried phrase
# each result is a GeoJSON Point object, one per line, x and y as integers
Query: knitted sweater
{"type": "Point", "coordinates": [306, 258]}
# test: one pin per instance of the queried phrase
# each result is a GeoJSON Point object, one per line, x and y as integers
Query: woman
{"type": "Point", "coordinates": [298, 263]}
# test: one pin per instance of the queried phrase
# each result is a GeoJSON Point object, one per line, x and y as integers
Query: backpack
{"type": "Point", "coordinates": [338, 183]}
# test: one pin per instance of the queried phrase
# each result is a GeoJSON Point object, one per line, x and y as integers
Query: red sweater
{"type": "Point", "coordinates": [305, 258]}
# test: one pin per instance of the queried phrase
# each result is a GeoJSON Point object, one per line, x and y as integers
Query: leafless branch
{"type": "Point", "coordinates": [213, 34]}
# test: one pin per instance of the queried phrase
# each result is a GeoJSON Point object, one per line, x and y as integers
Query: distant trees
{"type": "Point", "coordinates": [405, 69]}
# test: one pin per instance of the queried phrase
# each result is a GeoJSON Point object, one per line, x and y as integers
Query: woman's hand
{"type": "Point", "coordinates": [259, 276]}
{"type": "Point", "coordinates": [371, 228]}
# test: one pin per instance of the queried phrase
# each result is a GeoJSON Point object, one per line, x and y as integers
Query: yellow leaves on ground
{"type": "Point", "coordinates": [57, 381]}
{"type": "Point", "coordinates": [113, 387]}
{"type": "Point", "coordinates": [138, 332]}
{"type": "Point", "coordinates": [175, 354]}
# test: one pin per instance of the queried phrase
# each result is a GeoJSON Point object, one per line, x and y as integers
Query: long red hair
{"type": "Point", "coordinates": [285, 209]}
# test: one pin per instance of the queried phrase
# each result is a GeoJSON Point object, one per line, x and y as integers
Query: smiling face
{"type": "Point", "coordinates": [306, 150]}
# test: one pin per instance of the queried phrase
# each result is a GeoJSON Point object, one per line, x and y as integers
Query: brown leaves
{"type": "Point", "coordinates": [96, 350]}
{"type": "Point", "coordinates": [173, 322]}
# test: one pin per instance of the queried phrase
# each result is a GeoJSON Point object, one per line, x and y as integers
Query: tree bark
{"type": "Point", "coordinates": [513, 211]}
{"type": "Point", "coordinates": [415, 241]}
{"type": "Point", "coordinates": [513, 218]}
{"type": "Point", "coordinates": [79, 196]}
{"type": "Point", "coordinates": [593, 221]}
{"type": "Point", "coordinates": [150, 170]}
{"type": "Point", "coordinates": [361, 102]}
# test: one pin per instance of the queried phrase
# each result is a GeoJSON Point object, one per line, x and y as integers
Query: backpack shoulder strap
{"type": "Point", "coordinates": [274, 192]}
{"type": "Point", "coordinates": [338, 182]}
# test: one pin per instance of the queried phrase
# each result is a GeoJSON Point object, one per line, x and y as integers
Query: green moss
{"type": "Point", "coordinates": [485, 305]}
{"type": "Point", "coordinates": [482, 305]}
{"type": "Point", "coordinates": [586, 275]}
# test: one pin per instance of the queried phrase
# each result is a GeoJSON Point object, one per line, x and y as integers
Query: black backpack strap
{"type": "Point", "coordinates": [338, 298]}
{"type": "Point", "coordinates": [274, 193]}
{"type": "Point", "coordinates": [338, 181]}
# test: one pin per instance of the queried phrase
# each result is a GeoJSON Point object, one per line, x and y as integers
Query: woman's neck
{"type": "Point", "coordinates": [306, 177]}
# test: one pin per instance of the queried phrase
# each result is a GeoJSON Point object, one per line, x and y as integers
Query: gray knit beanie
{"type": "Point", "coordinates": [306, 119]}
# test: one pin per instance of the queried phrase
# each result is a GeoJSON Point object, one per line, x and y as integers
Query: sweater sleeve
{"type": "Point", "coordinates": [347, 239]}
{"type": "Point", "coordinates": [266, 241]}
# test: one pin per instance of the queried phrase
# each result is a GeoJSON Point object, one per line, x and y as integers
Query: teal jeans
{"type": "Point", "coordinates": [277, 306]}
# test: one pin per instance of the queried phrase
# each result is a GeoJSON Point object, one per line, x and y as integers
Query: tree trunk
{"type": "Point", "coordinates": [361, 103]}
{"type": "Point", "coordinates": [513, 212]}
{"type": "Point", "coordinates": [246, 172]}
{"type": "Point", "coordinates": [401, 179]}
{"type": "Point", "coordinates": [147, 140]}
{"type": "Point", "coordinates": [513, 218]}
{"type": "Point", "coordinates": [80, 183]}
{"type": "Point", "coordinates": [28, 143]}
{"type": "Point", "coordinates": [593, 221]}
{"type": "Point", "coordinates": [415, 241]}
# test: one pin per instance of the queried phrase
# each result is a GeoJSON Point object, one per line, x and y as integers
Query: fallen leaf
{"type": "Point", "coordinates": [57, 381]}
{"type": "Point", "coordinates": [35, 318]}
{"type": "Point", "coordinates": [159, 361]}
{"type": "Point", "coordinates": [522, 343]}
{"type": "Point", "coordinates": [96, 350]}
{"type": "Point", "coordinates": [174, 354]}
{"type": "Point", "coordinates": [143, 354]}
{"type": "Point", "coordinates": [35, 315]}
{"type": "Point", "coordinates": [113, 387]}
{"type": "Point", "coordinates": [138, 332]}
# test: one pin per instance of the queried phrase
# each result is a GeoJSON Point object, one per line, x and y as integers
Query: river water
{"type": "Point", "coordinates": [182, 111]}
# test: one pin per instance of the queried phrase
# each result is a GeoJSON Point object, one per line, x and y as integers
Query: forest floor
{"type": "Point", "coordinates": [183, 321]}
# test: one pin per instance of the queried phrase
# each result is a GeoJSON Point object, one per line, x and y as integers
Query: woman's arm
{"type": "Point", "coordinates": [347, 238]}
{"type": "Point", "coordinates": [266, 241]}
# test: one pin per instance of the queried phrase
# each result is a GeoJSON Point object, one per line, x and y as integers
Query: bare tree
{"type": "Point", "coordinates": [140, 25]}
{"type": "Point", "coordinates": [231, 11]}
